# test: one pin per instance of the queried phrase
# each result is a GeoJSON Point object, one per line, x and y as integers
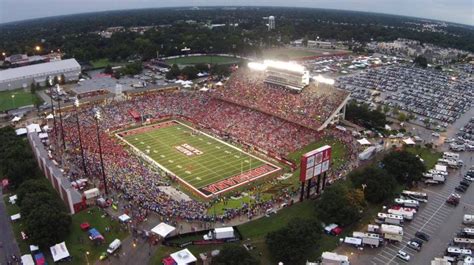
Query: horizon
{"type": "Point", "coordinates": [11, 17]}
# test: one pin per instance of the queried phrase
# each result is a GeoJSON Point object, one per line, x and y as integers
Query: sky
{"type": "Point", "coordinates": [460, 11]}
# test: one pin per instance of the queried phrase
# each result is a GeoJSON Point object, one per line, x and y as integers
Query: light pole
{"type": "Point", "coordinates": [97, 117]}
{"type": "Point", "coordinates": [52, 112]}
{"type": "Point", "coordinates": [76, 106]}
{"type": "Point", "coordinates": [87, 257]}
{"type": "Point", "coordinates": [61, 119]}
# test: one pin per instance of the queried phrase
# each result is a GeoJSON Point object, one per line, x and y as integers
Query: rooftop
{"type": "Point", "coordinates": [39, 69]}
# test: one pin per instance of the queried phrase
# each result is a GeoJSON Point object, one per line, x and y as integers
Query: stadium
{"type": "Point", "coordinates": [231, 140]}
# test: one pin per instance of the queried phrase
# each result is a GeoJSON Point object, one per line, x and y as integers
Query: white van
{"type": "Point", "coordinates": [114, 246]}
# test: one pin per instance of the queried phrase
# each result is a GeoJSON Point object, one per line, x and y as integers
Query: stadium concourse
{"type": "Point", "coordinates": [133, 180]}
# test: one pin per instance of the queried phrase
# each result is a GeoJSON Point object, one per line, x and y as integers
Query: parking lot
{"type": "Point", "coordinates": [436, 218]}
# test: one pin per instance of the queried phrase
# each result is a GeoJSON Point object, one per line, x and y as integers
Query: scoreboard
{"type": "Point", "coordinates": [315, 163]}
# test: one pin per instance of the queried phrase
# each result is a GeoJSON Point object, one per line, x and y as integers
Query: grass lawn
{"type": "Point", "coordinates": [21, 98]}
{"type": "Point", "coordinates": [102, 63]}
{"type": "Point", "coordinates": [77, 241]}
{"type": "Point", "coordinates": [198, 159]}
{"type": "Point", "coordinates": [430, 156]}
{"type": "Point", "coordinates": [206, 59]}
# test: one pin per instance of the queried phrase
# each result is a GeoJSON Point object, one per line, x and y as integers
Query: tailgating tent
{"type": "Point", "coordinates": [92, 193]}
{"type": "Point", "coordinates": [43, 135]}
{"type": "Point", "coordinates": [124, 218]}
{"type": "Point", "coordinates": [21, 131]}
{"type": "Point", "coordinates": [95, 235]}
{"type": "Point", "coordinates": [15, 217]}
{"type": "Point", "coordinates": [39, 258]}
{"type": "Point", "coordinates": [219, 83]}
{"type": "Point", "coordinates": [409, 141]}
{"type": "Point", "coordinates": [59, 251]}
{"type": "Point", "coordinates": [163, 229]}
{"type": "Point", "coordinates": [27, 260]}
{"type": "Point", "coordinates": [33, 128]}
{"type": "Point", "coordinates": [183, 257]}
{"type": "Point", "coordinates": [33, 248]}
{"type": "Point", "coordinates": [12, 199]}
{"type": "Point", "coordinates": [364, 142]}
{"type": "Point", "coordinates": [50, 116]}
{"type": "Point", "coordinates": [16, 118]}
{"type": "Point", "coordinates": [387, 127]}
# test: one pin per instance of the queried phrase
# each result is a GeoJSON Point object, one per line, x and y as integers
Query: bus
{"type": "Point", "coordinates": [419, 196]}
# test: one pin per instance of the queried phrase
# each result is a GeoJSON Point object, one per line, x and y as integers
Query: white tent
{"type": "Point", "coordinates": [187, 86]}
{"type": "Point", "coordinates": [59, 251]}
{"type": "Point", "coordinates": [16, 118]}
{"type": "Point", "coordinates": [33, 128]}
{"type": "Point", "coordinates": [219, 83]}
{"type": "Point", "coordinates": [124, 218]}
{"type": "Point", "coordinates": [12, 199]}
{"type": "Point", "coordinates": [387, 127]}
{"type": "Point", "coordinates": [33, 248]}
{"type": "Point", "coordinates": [163, 229]}
{"type": "Point", "coordinates": [15, 217]}
{"type": "Point", "coordinates": [43, 135]}
{"type": "Point", "coordinates": [183, 257]}
{"type": "Point", "coordinates": [50, 116]}
{"type": "Point", "coordinates": [409, 141]}
{"type": "Point", "coordinates": [27, 260]}
{"type": "Point", "coordinates": [204, 89]}
{"type": "Point", "coordinates": [92, 193]}
{"type": "Point", "coordinates": [21, 131]}
{"type": "Point", "coordinates": [364, 141]}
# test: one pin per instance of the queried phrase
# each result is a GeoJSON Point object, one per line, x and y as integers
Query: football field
{"type": "Point", "coordinates": [201, 162]}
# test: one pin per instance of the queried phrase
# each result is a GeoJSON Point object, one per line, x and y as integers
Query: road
{"type": "Point", "coordinates": [8, 243]}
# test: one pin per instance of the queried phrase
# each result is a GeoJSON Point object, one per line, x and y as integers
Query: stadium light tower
{"type": "Point", "coordinates": [76, 106]}
{"type": "Point", "coordinates": [54, 114]}
{"type": "Point", "coordinates": [98, 117]}
{"type": "Point", "coordinates": [61, 118]}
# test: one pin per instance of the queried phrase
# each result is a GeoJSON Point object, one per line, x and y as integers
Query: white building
{"type": "Point", "coordinates": [271, 23]}
{"type": "Point", "coordinates": [23, 77]}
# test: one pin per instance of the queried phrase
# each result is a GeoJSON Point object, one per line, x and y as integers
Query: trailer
{"type": "Point", "coordinates": [370, 239]}
{"type": "Point", "coordinates": [373, 228]}
{"type": "Point", "coordinates": [468, 219]}
{"type": "Point", "coordinates": [462, 240]}
{"type": "Point", "coordinates": [407, 203]}
{"type": "Point", "coordinates": [406, 215]}
{"type": "Point", "coordinates": [220, 233]}
{"type": "Point", "coordinates": [392, 232]}
{"type": "Point", "coordinates": [390, 218]}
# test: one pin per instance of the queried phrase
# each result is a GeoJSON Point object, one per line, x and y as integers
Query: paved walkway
{"type": "Point", "coordinates": [8, 245]}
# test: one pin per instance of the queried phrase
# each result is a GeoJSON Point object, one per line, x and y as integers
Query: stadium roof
{"type": "Point", "coordinates": [34, 70]}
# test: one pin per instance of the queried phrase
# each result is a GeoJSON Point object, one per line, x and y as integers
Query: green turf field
{"type": "Point", "coordinates": [203, 59]}
{"type": "Point", "coordinates": [21, 98]}
{"type": "Point", "coordinates": [215, 161]}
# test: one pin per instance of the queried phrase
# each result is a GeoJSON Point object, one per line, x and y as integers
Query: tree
{"type": "Point", "coordinates": [337, 205]}
{"type": "Point", "coordinates": [402, 117]}
{"type": "Point", "coordinates": [108, 70]}
{"type": "Point", "coordinates": [174, 72]}
{"type": "Point", "coordinates": [47, 225]}
{"type": "Point", "coordinates": [30, 187]}
{"type": "Point", "coordinates": [386, 109]}
{"type": "Point", "coordinates": [421, 61]}
{"type": "Point", "coordinates": [376, 183]}
{"type": "Point", "coordinates": [190, 72]}
{"type": "Point", "coordinates": [427, 122]}
{"type": "Point", "coordinates": [404, 166]}
{"type": "Point", "coordinates": [362, 115]}
{"type": "Point", "coordinates": [33, 88]}
{"type": "Point", "coordinates": [292, 243]}
{"type": "Point", "coordinates": [234, 255]}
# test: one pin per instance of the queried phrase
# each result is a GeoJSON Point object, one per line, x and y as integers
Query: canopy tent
{"type": "Point", "coordinates": [16, 118]}
{"type": "Point", "coordinates": [39, 258]}
{"type": "Point", "coordinates": [183, 257]}
{"type": "Point", "coordinates": [124, 218]}
{"type": "Point", "coordinates": [95, 235]}
{"type": "Point", "coordinates": [33, 128]}
{"type": "Point", "coordinates": [219, 83]}
{"type": "Point", "coordinates": [12, 199]}
{"type": "Point", "coordinates": [387, 127]}
{"type": "Point", "coordinates": [43, 135]}
{"type": "Point", "coordinates": [364, 141]}
{"type": "Point", "coordinates": [59, 251]}
{"type": "Point", "coordinates": [15, 217]}
{"type": "Point", "coordinates": [50, 116]}
{"type": "Point", "coordinates": [187, 86]}
{"type": "Point", "coordinates": [27, 260]}
{"type": "Point", "coordinates": [21, 131]}
{"type": "Point", "coordinates": [204, 89]}
{"type": "Point", "coordinates": [33, 248]}
{"type": "Point", "coordinates": [163, 229]}
{"type": "Point", "coordinates": [409, 141]}
{"type": "Point", "coordinates": [85, 226]}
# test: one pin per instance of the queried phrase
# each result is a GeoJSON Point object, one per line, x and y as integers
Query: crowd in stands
{"type": "Point", "coordinates": [309, 108]}
{"type": "Point", "coordinates": [134, 180]}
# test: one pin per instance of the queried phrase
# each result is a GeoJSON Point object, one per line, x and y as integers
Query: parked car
{"type": "Point", "coordinates": [422, 236]}
{"type": "Point", "coordinates": [468, 178]}
{"type": "Point", "coordinates": [465, 183]}
{"type": "Point", "coordinates": [453, 199]}
{"type": "Point", "coordinates": [461, 188]}
{"type": "Point", "coordinates": [414, 245]}
{"type": "Point", "coordinates": [403, 255]}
